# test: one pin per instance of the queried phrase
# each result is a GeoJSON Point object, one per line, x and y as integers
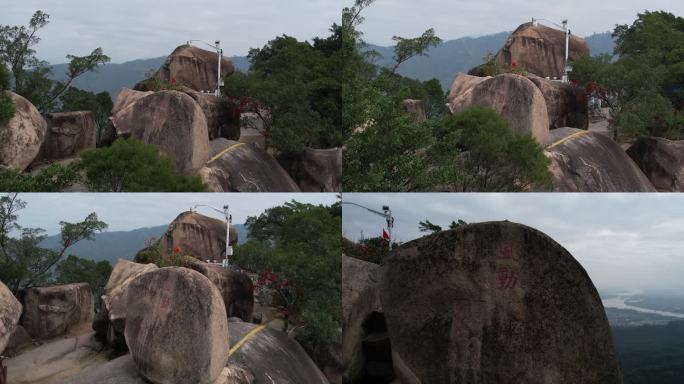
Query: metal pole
{"type": "Point", "coordinates": [390, 225]}
{"type": "Point", "coordinates": [218, 76]}
{"type": "Point", "coordinates": [229, 249]}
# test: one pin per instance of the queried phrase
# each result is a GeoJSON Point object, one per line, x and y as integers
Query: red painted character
{"type": "Point", "coordinates": [506, 278]}
{"type": "Point", "coordinates": [506, 252]}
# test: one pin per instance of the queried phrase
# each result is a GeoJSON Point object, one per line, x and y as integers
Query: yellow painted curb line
{"type": "Point", "coordinates": [563, 140]}
{"type": "Point", "coordinates": [247, 337]}
{"type": "Point", "coordinates": [224, 152]}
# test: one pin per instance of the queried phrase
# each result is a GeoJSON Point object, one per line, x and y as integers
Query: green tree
{"type": "Point", "coordinates": [428, 226]}
{"type": "Point", "coordinates": [54, 178]}
{"type": "Point", "coordinates": [299, 247]}
{"type": "Point", "coordinates": [417, 46]}
{"type": "Point", "coordinates": [74, 269]}
{"type": "Point", "coordinates": [294, 88]}
{"type": "Point", "coordinates": [132, 166]}
{"type": "Point", "coordinates": [477, 151]}
{"type": "Point", "coordinates": [30, 74]}
{"type": "Point", "coordinates": [99, 104]}
{"type": "Point", "coordinates": [23, 263]}
{"type": "Point", "coordinates": [643, 85]}
{"type": "Point", "coordinates": [6, 104]}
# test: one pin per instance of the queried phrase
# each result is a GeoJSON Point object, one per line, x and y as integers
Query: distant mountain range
{"type": "Point", "coordinates": [451, 57]}
{"type": "Point", "coordinates": [443, 62]}
{"type": "Point", "coordinates": [112, 246]}
{"type": "Point", "coordinates": [112, 77]}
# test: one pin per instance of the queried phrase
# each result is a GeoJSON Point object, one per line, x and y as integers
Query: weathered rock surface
{"type": "Point", "coordinates": [566, 103]}
{"type": "Point", "coordinates": [20, 339]}
{"type": "Point", "coordinates": [176, 327]}
{"type": "Point", "coordinates": [238, 167]}
{"type": "Point", "coordinates": [360, 301]}
{"type": "Point", "coordinates": [22, 136]}
{"type": "Point", "coordinates": [196, 235]}
{"type": "Point", "coordinates": [661, 160]}
{"type": "Point", "coordinates": [514, 97]}
{"type": "Point", "coordinates": [110, 323]}
{"type": "Point", "coordinates": [121, 370]}
{"type": "Point", "coordinates": [463, 83]}
{"type": "Point", "coordinates": [172, 121]}
{"type": "Point", "coordinates": [583, 161]}
{"type": "Point", "coordinates": [57, 310]}
{"type": "Point", "coordinates": [272, 356]}
{"type": "Point", "coordinates": [69, 133]}
{"type": "Point", "coordinates": [540, 50]}
{"type": "Point", "coordinates": [10, 312]}
{"type": "Point", "coordinates": [194, 68]}
{"type": "Point", "coordinates": [494, 302]}
{"type": "Point", "coordinates": [223, 119]}
{"type": "Point", "coordinates": [415, 108]}
{"type": "Point", "coordinates": [56, 361]}
{"type": "Point", "coordinates": [253, 137]}
{"type": "Point", "coordinates": [236, 289]}
{"type": "Point", "coordinates": [126, 98]}
{"type": "Point", "coordinates": [318, 170]}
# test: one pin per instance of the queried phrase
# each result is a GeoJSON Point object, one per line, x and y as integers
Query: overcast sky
{"type": "Point", "coordinates": [458, 18]}
{"type": "Point", "coordinates": [624, 241]}
{"type": "Point", "coordinates": [138, 29]}
{"type": "Point", "coordinates": [126, 211]}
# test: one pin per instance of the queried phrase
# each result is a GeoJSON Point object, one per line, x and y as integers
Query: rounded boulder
{"type": "Point", "coordinates": [176, 327]}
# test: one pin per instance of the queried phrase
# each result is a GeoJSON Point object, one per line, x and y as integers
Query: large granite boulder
{"type": "Point", "coordinates": [176, 327]}
{"type": "Point", "coordinates": [540, 50]}
{"type": "Point", "coordinates": [514, 97]}
{"type": "Point", "coordinates": [110, 323]}
{"type": "Point", "coordinates": [22, 136]}
{"type": "Point", "coordinates": [10, 312]}
{"type": "Point", "coordinates": [19, 340]}
{"type": "Point", "coordinates": [494, 302]}
{"type": "Point", "coordinates": [236, 289]}
{"type": "Point", "coordinates": [223, 118]}
{"type": "Point", "coordinates": [193, 67]}
{"type": "Point", "coordinates": [121, 370]}
{"type": "Point", "coordinates": [58, 310]}
{"type": "Point", "coordinates": [661, 160]}
{"type": "Point", "coordinates": [583, 161]}
{"type": "Point", "coordinates": [69, 133]}
{"type": "Point", "coordinates": [318, 170]}
{"type": "Point", "coordinates": [126, 98]}
{"type": "Point", "coordinates": [270, 356]}
{"type": "Point", "coordinates": [172, 121]}
{"type": "Point", "coordinates": [239, 167]}
{"type": "Point", "coordinates": [360, 306]}
{"type": "Point", "coordinates": [194, 234]}
{"type": "Point", "coordinates": [566, 103]}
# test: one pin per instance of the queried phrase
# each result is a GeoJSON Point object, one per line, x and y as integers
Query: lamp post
{"type": "Point", "coordinates": [219, 53]}
{"type": "Point", "coordinates": [386, 213]}
{"type": "Point", "coordinates": [229, 220]}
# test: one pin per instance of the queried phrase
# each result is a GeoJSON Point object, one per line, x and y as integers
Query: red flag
{"type": "Point", "coordinates": [385, 235]}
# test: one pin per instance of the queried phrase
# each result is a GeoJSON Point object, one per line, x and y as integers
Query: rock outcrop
{"type": "Point", "coordinates": [583, 161]}
{"type": "Point", "coordinates": [172, 121]}
{"type": "Point", "coordinates": [236, 289]}
{"type": "Point", "coordinates": [271, 356]}
{"type": "Point", "coordinates": [494, 302]}
{"type": "Point", "coordinates": [415, 108]}
{"type": "Point", "coordinates": [176, 327]}
{"type": "Point", "coordinates": [194, 68]}
{"type": "Point", "coordinates": [566, 103]}
{"type": "Point", "coordinates": [318, 170]}
{"type": "Point", "coordinates": [110, 323]}
{"type": "Point", "coordinates": [514, 97]}
{"type": "Point", "coordinates": [57, 310]}
{"type": "Point", "coordinates": [540, 50]}
{"type": "Point", "coordinates": [126, 98]}
{"type": "Point", "coordinates": [69, 133]}
{"type": "Point", "coordinates": [10, 312]}
{"type": "Point", "coordinates": [194, 234]}
{"type": "Point", "coordinates": [22, 136]}
{"type": "Point", "coordinates": [223, 119]}
{"type": "Point", "coordinates": [239, 167]}
{"type": "Point", "coordinates": [661, 160]}
{"type": "Point", "coordinates": [19, 340]}
{"type": "Point", "coordinates": [360, 307]}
